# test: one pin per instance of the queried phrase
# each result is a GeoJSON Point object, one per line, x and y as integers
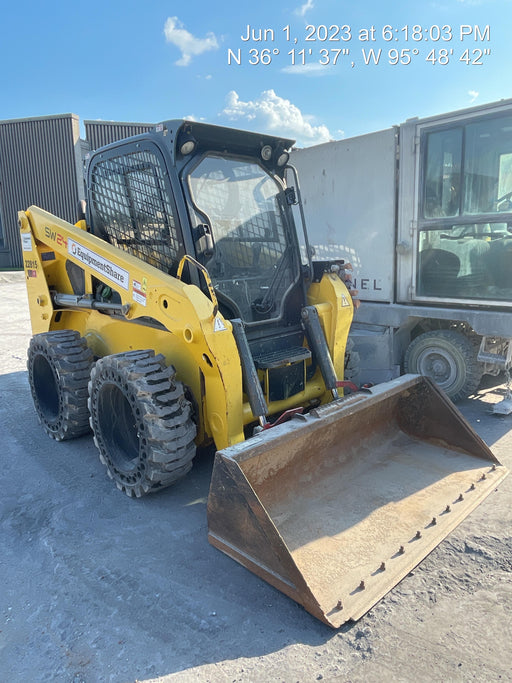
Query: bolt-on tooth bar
{"type": "Point", "coordinates": [365, 583]}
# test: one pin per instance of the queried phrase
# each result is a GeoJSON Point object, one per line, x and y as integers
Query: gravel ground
{"type": "Point", "coordinates": [97, 587]}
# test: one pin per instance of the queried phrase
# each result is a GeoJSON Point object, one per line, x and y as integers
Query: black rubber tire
{"type": "Point", "coordinates": [141, 420]}
{"type": "Point", "coordinates": [59, 366]}
{"type": "Point", "coordinates": [447, 357]}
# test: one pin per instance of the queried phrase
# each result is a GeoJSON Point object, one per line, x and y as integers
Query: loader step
{"type": "Point", "coordinates": [494, 358]}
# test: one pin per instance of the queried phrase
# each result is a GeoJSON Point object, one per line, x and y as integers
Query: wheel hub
{"type": "Point", "coordinates": [438, 365]}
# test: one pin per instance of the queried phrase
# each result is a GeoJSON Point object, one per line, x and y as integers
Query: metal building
{"type": "Point", "coordinates": [42, 163]}
{"type": "Point", "coordinates": [99, 133]}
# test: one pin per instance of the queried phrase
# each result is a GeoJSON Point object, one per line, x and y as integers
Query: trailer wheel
{"type": "Point", "coordinates": [59, 366]}
{"type": "Point", "coordinates": [141, 420]}
{"type": "Point", "coordinates": [447, 357]}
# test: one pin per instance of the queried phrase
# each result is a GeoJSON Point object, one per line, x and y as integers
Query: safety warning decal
{"type": "Point", "coordinates": [218, 325]}
{"type": "Point", "coordinates": [139, 290]}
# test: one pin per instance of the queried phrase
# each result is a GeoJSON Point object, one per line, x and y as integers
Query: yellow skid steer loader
{"type": "Point", "coordinates": [185, 309]}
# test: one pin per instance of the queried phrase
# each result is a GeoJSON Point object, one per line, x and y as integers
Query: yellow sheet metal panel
{"type": "Point", "coordinates": [39, 300]}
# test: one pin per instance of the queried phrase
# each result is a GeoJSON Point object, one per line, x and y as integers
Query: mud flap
{"type": "Point", "coordinates": [334, 508]}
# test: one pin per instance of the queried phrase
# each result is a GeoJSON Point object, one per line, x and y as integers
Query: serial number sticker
{"type": "Point", "coordinates": [103, 266]}
{"type": "Point", "coordinates": [26, 241]}
{"type": "Point", "coordinates": [139, 292]}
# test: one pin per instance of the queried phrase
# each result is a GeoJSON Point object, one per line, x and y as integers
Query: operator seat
{"type": "Point", "coordinates": [437, 272]}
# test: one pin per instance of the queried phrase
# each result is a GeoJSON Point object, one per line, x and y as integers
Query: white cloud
{"type": "Point", "coordinates": [189, 45]}
{"type": "Point", "coordinates": [301, 11]}
{"type": "Point", "coordinates": [273, 114]}
{"type": "Point", "coordinates": [473, 94]}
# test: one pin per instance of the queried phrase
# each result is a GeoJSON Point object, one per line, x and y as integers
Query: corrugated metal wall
{"type": "Point", "coordinates": [40, 163]}
{"type": "Point", "coordinates": [99, 133]}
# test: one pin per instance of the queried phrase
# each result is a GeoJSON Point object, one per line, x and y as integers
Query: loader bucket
{"type": "Point", "coordinates": [334, 508]}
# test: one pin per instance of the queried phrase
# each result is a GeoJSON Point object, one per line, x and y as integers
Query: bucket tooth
{"type": "Point", "coordinates": [309, 505]}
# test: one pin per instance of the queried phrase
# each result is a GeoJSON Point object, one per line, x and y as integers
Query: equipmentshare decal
{"type": "Point", "coordinates": [101, 265]}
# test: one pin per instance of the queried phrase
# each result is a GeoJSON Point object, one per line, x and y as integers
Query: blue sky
{"type": "Point", "coordinates": [154, 60]}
